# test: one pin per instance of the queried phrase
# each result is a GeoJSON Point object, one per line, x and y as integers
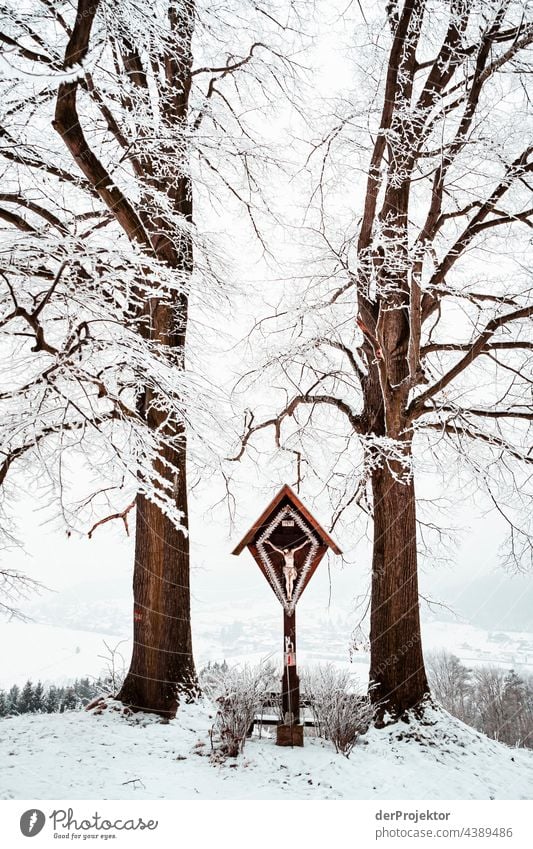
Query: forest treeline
{"type": "Point", "coordinates": [498, 702]}
{"type": "Point", "coordinates": [36, 698]}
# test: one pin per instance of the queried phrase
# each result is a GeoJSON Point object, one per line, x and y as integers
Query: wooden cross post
{"type": "Point", "coordinates": [287, 544]}
{"type": "Point", "coordinates": [290, 683]}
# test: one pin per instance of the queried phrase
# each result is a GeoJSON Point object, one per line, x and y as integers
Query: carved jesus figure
{"type": "Point", "coordinates": [290, 571]}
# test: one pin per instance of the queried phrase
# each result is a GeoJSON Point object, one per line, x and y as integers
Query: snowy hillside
{"type": "Point", "coordinates": [83, 756]}
{"type": "Point", "coordinates": [50, 654]}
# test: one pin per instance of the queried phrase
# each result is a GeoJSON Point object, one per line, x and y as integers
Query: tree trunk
{"type": "Point", "coordinates": [397, 664]}
{"type": "Point", "coordinates": [162, 666]}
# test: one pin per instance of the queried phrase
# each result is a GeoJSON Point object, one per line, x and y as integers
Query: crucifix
{"type": "Point", "coordinates": [287, 544]}
{"type": "Point", "coordinates": [290, 572]}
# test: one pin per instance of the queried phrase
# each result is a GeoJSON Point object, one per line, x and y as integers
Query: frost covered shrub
{"type": "Point", "coordinates": [342, 713]}
{"type": "Point", "coordinates": [239, 693]}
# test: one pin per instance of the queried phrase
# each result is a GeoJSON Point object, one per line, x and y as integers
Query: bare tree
{"type": "Point", "coordinates": [15, 586]}
{"type": "Point", "coordinates": [451, 684]}
{"type": "Point", "coordinates": [494, 700]}
{"type": "Point", "coordinates": [409, 340]}
{"type": "Point", "coordinates": [102, 259]}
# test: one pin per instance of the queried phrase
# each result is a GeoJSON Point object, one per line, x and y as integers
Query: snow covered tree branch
{"type": "Point", "coordinates": [416, 307]}
{"type": "Point", "coordinates": [109, 115]}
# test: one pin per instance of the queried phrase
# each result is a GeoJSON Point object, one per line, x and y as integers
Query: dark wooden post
{"type": "Point", "coordinates": [290, 684]}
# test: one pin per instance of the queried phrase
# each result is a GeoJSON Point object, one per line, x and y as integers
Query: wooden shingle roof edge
{"type": "Point", "coordinates": [291, 495]}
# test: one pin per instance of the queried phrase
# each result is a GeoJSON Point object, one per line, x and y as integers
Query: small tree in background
{"type": "Point", "coordinates": [13, 700]}
{"type": "Point", "coordinates": [25, 700]}
{"type": "Point", "coordinates": [69, 701]}
{"type": "Point", "coordinates": [451, 684]}
{"type": "Point", "coordinates": [517, 729]}
{"type": "Point", "coordinates": [37, 703]}
{"type": "Point", "coordinates": [51, 701]}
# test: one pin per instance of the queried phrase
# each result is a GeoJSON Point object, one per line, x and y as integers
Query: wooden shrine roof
{"type": "Point", "coordinates": [286, 492]}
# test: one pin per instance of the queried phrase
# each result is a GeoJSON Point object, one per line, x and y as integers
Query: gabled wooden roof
{"type": "Point", "coordinates": [286, 492]}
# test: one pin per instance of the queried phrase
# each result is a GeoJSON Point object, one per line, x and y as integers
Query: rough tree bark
{"type": "Point", "coordinates": [397, 668]}
{"type": "Point", "coordinates": [397, 663]}
{"type": "Point", "coordinates": [162, 666]}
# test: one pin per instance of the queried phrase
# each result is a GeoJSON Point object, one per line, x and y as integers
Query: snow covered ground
{"type": "Point", "coordinates": [83, 756]}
